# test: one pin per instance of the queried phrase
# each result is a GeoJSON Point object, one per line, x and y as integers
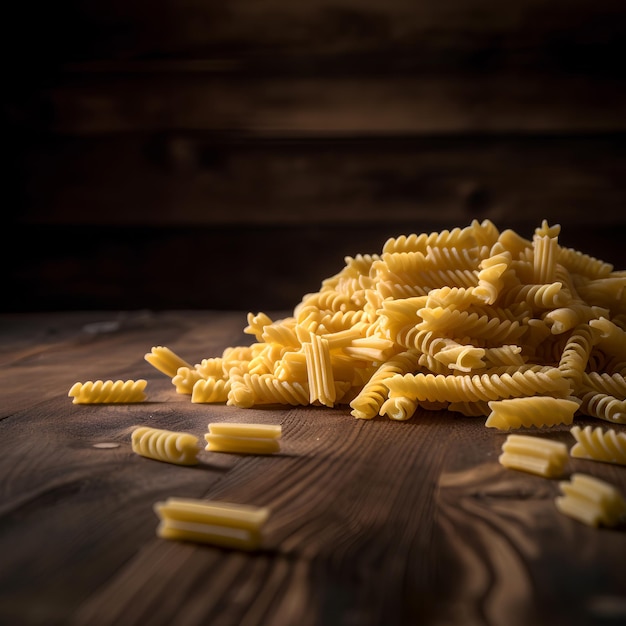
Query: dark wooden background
{"type": "Point", "coordinates": [229, 155]}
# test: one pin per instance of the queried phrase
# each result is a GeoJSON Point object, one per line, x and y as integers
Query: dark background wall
{"type": "Point", "coordinates": [205, 154]}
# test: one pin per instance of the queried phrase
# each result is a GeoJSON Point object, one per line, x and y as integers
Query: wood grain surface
{"type": "Point", "coordinates": [373, 523]}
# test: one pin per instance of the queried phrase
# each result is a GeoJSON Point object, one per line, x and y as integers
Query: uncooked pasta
{"type": "Point", "coordinates": [487, 317]}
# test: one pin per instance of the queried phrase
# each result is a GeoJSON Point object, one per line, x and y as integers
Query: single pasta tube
{"type": "Point", "coordinates": [219, 523]}
{"type": "Point", "coordinates": [534, 454]}
{"type": "Point", "coordinates": [241, 445]}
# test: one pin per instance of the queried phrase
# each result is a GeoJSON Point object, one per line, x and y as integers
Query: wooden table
{"type": "Point", "coordinates": [372, 522]}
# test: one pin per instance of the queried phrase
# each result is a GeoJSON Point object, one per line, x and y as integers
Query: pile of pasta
{"type": "Point", "coordinates": [473, 320]}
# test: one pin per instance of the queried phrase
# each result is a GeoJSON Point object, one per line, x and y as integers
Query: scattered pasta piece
{"type": "Point", "coordinates": [262, 431]}
{"type": "Point", "coordinates": [591, 501]}
{"type": "Point", "coordinates": [530, 411]}
{"type": "Point", "coordinates": [534, 454]}
{"type": "Point", "coordinates": [108, 392]}
{"type": "Point", "coordinates": [243, 438]}
{"type": "Point", "coordinates": [222, 524]}
{"type": "Point", "coordinates": [165, 445]}
{"type": "Point", "coordinates": [166, 361]}
{"type": "Point", "coordinates": [599, 445]}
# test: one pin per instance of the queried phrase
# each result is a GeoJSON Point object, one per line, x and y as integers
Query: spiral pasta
{"type": "Point", "coordinates": [165, 445]}
{"type": "Point", "coordinates": [529, 411]}
{"type": "Point", "coordinates": [489, 386]}
{"type": "Point", "coordinates": [599, 444]}
{"type": "Point", "coordinates": [488, 316]}
{"type": "Point", "coordinates": [108, 391]}
{"type": "Point", "coordinates": [592, 501]}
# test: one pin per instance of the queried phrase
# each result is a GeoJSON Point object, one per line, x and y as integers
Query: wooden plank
{"type": "Point", "coordinates": [373, 522]}
{"type": "Point", "coordinates": [176, 179]}
{"type": "Point", "coordinates": [574, 36]}
{"type": "Point", "coordinates": [430, 102]}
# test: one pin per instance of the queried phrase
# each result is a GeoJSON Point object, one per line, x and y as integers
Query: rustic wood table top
{"type": "Point", "coordinates": [373, 522]}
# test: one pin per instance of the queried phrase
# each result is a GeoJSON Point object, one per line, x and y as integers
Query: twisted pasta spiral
{"type": "Point", "coordinates": [165, 445]}
{"type": "Point", "coordinates": [108, 391]}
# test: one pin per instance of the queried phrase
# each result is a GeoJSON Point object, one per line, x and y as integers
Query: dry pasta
{"type": "Point", "coordinates": [108, 391]}
{"type": "Point", "coordinates": [591, 501]}
{"type": "Point", "coordinates": [488, 316]}
{"type": "Point", "coordinates": [165, 360]}
{"type": "Point", "coordinates": [223, 524]}
{"type": "Point", "coordinates": [534, 454]}
{"type": "Point", "coordinates": [597, 444]}
{"type": "Point", "coordinates": [210, 390]}
{"type": "Point", "coordinates": [241, 445]}
{"type": "Point", "coordinates": [528, 411]}
{"type": "Point", "coordinates": [243, 438]}
{"type": "Point", "coordinates": [165, 445]}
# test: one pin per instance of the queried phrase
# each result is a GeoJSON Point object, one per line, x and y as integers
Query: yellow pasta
{"type": "Point", "coordinates": [210, 390]}
{"type": "Point", "coordinates": [165, 445]}
{"type": "Point", "coordinates": [320, 377]}
{"type": "Point", "coordinates": [545, 257]}
{"type": "Point", "coordinates": [368, 402]}
{"type": "Point", "coordinates": [185, 379]}
{"type": "Point", "coordinates": [241, 445]}
{"type": "Point", "coordinates": [488, 386]}
{"type": "Point", "coordinates": [534, 454]}
{"type": "Point", "coordinates": [108, 391]}
{"type": "Point", "coordinates": [223, 524]}
{"type": "Point", "coordinates": [604, 406]}
{"type": "Point", "coordinates": [165, 360]}
{"type": "Point", "coordinates": [264, 431]}
{"type": "Point", "coordinates": [250, 389]}
{"type": "Point", "coordinates": [597, 444]}
{"type": "Point", "coordinates": [528, 411]}
{"type": "Point", "coordinates": [488, 316]}
{"type": "Point", "coordinates": [591, 501]}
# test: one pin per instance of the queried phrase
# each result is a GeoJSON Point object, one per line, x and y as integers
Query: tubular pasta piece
{"type": "Point", "coordinates": [545, 257]}
{"type": "Point", "coordinates": [530, 411]}
{"type": "Point", "coordinates": [534, 454]}
{"type": "Point", "coordinates": [591, 501]}
{"type": "Point", "coordinates": [219, 523]}
{"type": "Point", "coordinates": [165, 445]}
{"type": "Point", "coordinates": [241, 445]}
{"type": "Point", "coordinates": [319, 371]}
{"type": "Point", "coordinates": [267, 431]}
{"type": "Point", "coordinates": [165, 360]}
{"type": "Point", "coordinates": [599, 445]}
{"type": "Point", "coordinates": [108, 391]}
